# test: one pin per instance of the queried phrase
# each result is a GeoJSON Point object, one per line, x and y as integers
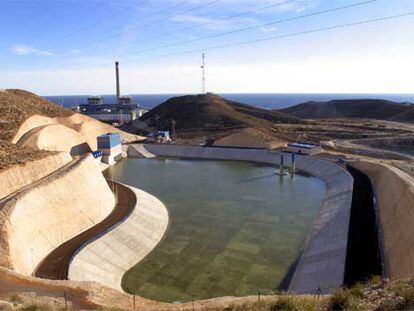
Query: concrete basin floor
{"type": "Point", "coordinates": [235, 227]}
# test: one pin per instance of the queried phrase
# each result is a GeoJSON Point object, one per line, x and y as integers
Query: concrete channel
{"type": "Point", "coordinates": [322, 263]}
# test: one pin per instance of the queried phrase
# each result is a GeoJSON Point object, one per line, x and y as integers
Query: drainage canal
{"type": "Point", "coordinates": [363, 256]}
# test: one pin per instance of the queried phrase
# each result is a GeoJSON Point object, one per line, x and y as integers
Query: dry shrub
{"type": "Point", "coordinates": [35, 307]}
{"type": "Point", "coordinates": [347, 298]}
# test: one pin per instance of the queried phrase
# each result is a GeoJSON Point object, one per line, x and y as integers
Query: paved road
{"type": "Point", "coordinates": [56, 265]}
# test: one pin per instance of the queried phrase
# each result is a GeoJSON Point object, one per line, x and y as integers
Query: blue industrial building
{"type": "Point", "coordinates": [110, 145]}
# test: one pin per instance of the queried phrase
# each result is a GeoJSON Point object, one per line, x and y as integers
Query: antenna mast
{"type": "Point", "coordinates": [203, 72]}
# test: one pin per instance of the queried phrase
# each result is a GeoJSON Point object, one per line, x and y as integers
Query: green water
{"type": "Point", "coordinates": [235, 227]}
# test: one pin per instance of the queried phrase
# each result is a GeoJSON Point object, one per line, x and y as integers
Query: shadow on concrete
{"type": "Point", "coordinates": [80, 149]}
{"type": "Point", "coordinates": [363, 258]}
{"type": "Point", "coordinates": [284, 285]}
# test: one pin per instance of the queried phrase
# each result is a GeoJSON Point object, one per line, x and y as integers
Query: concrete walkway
{"type": "Point", "coordinates": [106, 259]}
{"type": "Point", "coordinates": [138, 150]}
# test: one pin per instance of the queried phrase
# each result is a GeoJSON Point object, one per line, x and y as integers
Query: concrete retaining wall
{"type": "Point", "coordinates": [40, 217]}
{"type": "Point", "coordinates": [394, 192]}
{"type": "Point", "coordinates": [106, 259]}
{"type": "Point", "coordinates": [322, 263]}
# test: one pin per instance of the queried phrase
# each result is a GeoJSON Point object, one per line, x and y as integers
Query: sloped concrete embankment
{"type": "Point", "coordinates": [43, 215]}
{"type": "Point", "coordinates": [19, 176]}
{"type": "Point", "coordinates": [75, 134]}
{"type": "Point", "coordinates": [56, 265]}
{"type": "Point", "coordinates": [322, 262]}
{"type": "Point", "coordinates": [106, 259]}
{"type": "Point", "coordinates": [394, 192]}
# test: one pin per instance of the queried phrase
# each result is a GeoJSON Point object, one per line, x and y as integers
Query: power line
{"type": "Point", "coordinates": [279, 37]}
{"type": "Point", "coordinates": [108, 30]}
{"type": "Point", "coordinates": [289, 35]}
{"type": "Point", "coordinates": [218, 20]}
{"type": "Point", "coordinates": [152, 23]}
{"type": "Point", "coordinates": [259, 26]}
{"type": "Point", "coordinates": [82, 29]}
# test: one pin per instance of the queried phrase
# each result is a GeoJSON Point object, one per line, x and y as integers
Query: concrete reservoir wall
{"type": "Point", "coordinates": [394, 192]}
{"type": "Point", "coordinates": [50, 211]}
{"type": "Point", "coordinates": [322, 262]}
{"type": "Point", "coordinates": [106, 259]}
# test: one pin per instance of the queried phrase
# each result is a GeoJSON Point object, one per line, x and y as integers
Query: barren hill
{"type": "Point", "coordinates": [18, 105]}
{"type": "Point", "coordinates": [211, 113]}
{"type": "Point", "coordinates": [358, 108]}
{"type": "Point", "coordinates": [211, 118]}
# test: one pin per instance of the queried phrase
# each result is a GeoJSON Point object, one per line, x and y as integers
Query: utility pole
{"type": "Point", "coordinates": [203, 73]}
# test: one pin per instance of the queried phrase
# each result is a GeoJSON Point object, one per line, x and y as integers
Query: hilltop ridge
{"type": "Point", "coordinates": [211, 112]}
{"type": "Point", "coordinates": [377, 109]}
{"type": "Point", "coordinates": [215, 120]}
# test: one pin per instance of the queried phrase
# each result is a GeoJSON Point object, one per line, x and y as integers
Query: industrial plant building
{"type": "Point", "coordinates": [125, 109]}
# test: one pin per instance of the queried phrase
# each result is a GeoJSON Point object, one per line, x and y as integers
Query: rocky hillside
{"type": "Point", "coordinates": [364, 108]}
{"type": "Point", "coordinates": [211, 113]}
{"type": "Point", "coordinates": [18, 105]}
{"type": "Point", "coordinates": [15, 107]}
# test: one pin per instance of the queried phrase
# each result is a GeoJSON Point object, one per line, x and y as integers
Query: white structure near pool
{"type": "Point", "coordinates": [303, 148]}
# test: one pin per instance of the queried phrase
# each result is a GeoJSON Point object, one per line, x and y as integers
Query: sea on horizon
{"type": "Point", "coordinates": [266, 101]}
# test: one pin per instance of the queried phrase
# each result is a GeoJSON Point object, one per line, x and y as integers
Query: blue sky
{"type": "Point", "coordinates": [55, 47]}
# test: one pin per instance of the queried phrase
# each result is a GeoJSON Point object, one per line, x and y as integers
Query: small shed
{"type": "Point", "coordinates": [304, 148]}
{"type": "Point", "coordinates": [111, 147]}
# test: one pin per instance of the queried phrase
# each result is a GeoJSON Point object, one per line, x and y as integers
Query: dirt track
{"type": "Point", "coordinates": [56, 265]}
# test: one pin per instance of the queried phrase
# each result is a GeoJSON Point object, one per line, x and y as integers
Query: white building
{"type": "Point", "coordinates": [304, 148]}
{"type": "Point", "coordinates": [111, 147]}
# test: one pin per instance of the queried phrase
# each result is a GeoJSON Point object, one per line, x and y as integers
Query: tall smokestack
{"type": "Point", "coordinates": [118, 90]}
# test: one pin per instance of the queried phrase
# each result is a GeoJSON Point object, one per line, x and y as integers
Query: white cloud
{"type": "Point", "coordinates": [27, 50]}
{"type": "Point", "coordinates": [192, 19]}
{"type": "Point", "coordinates": [295, 6]}
{"type": "Point", "coordinates": [213, 23]}
{"type": "Point", "coordinates": [75, 51]}
{"type": "Point", "coordinates": [268, 29]}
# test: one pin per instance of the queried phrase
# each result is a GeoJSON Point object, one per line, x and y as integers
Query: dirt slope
{"type": "Point", "coordinates": [211, 113]}
{"type": "Point", "coordinates": [18, 105]}
{"type": "Point", "coordinates": [364, 108]}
